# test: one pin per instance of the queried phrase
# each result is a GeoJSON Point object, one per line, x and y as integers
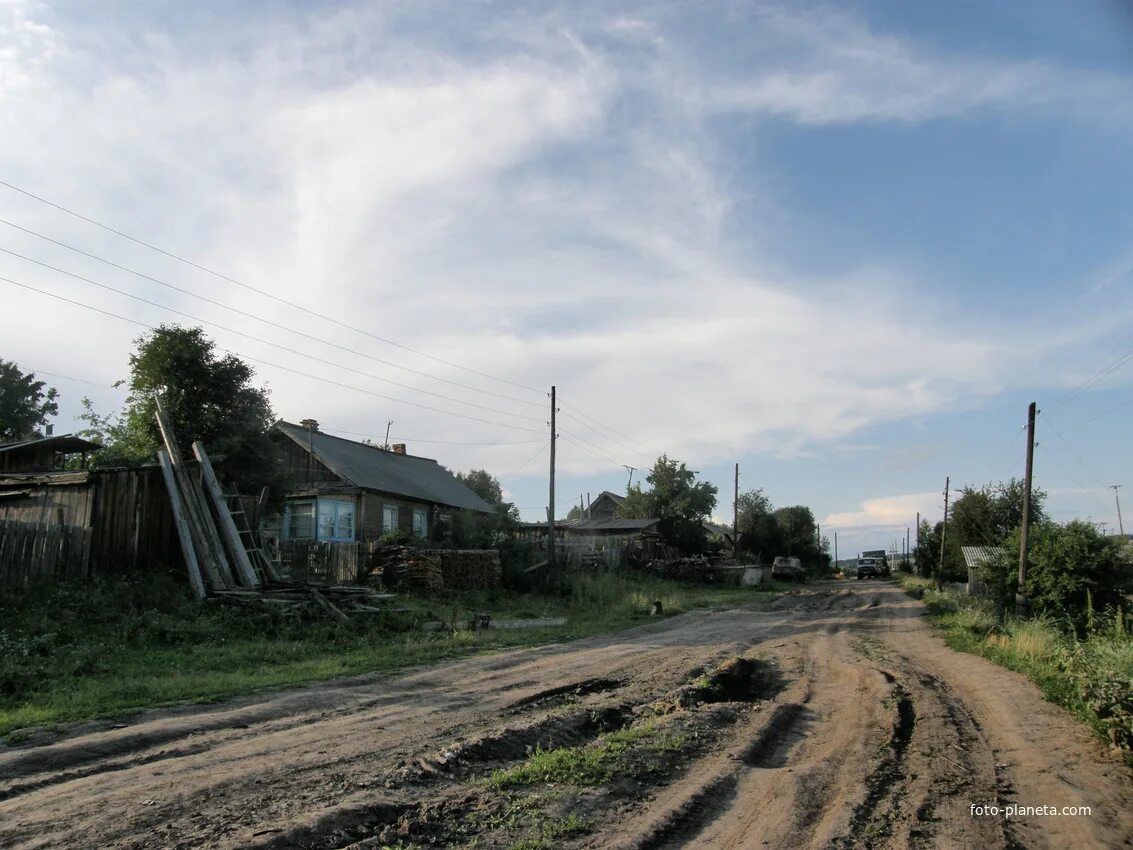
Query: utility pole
{"type": "Point", "coordinates": [551, 503]}
{"type": "Point", "coordinates": [943, 534]}
{"type": "Point", "coordinates": [388, 425]}
{"type": "Point", "coordinates": [1120, 524]}
{"type": "Point", "coordinates": [907, 550]}
{"type": "Point", "coordinates": [835, 550]}
{"type": "Point", "coordinates": [1021, 592]}
{"type": "Point", "coordinates": [629, 483]}
{"type": "Point", "coordinates": [917, 571]}
{"type": "Point", "coordinates": [736, 518]}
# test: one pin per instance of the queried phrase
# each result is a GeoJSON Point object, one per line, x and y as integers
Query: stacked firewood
{"type": "Point", "coordinates": [404, 566]}
{"type": "Point", "coordinates": [431, 570]}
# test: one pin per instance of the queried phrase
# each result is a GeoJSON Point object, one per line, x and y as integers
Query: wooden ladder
{"type": "Point", "coordinates": [262, 565]}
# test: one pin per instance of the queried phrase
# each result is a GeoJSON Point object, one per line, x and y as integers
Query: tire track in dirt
{"type": "Point", "coordinates": [847, 725]}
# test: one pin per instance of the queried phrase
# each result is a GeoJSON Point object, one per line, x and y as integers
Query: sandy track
{"type": "Point", "coordinates": [874, 734]}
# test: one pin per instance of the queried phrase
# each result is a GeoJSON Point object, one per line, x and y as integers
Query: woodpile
{"type": "Point", "coordinates": [339, 601]}
{"type": "Point", "coordinates": [433, 570]}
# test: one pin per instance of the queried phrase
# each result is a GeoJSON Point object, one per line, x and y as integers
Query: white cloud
{"type": "Point", "coordinates": [530, 205]}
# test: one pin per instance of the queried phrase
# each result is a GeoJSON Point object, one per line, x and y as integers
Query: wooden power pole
{"type": "Point", "coordinates": [943, 534]}
{"type": "Point", "coordinates": [1021, 593]}
{"type": "Point", "coordinates": [917, 564]}
{"type": "Point", "coordinates": [736, 518]}
{"type": "Point", "coordinates": [551, 503]}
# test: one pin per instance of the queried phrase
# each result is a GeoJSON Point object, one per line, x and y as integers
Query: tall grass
{"type": "Point", "coordinates": [1091, 676]}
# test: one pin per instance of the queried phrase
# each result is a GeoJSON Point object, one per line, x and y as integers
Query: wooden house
{"type": "Point", "coordinates": [347, 491]}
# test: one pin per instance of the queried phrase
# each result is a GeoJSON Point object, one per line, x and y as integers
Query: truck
{"type": "Point", "coordinates": [788, 567]}
{"type": "Point", "coordinates": [873, 564]}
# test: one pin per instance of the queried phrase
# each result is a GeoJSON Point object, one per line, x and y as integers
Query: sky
{"type": "Point", "coordinates": [842, 245]}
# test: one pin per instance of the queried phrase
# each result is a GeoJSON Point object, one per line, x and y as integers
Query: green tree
{"type": "Point", "coordinates": [208, 398]}
{"type": "Point", "coordinates": [677, 500]}
{"type": "Point", "coordinates": [484, 531]}
{"type": "Point", "coordinates": [985, 516]}
{"type": "Point", "coordinates": [1065, 563]}
{"type": "Point", "coordinates": [760, 534]}
{"type": "Point", "coordinates": [25, 403]}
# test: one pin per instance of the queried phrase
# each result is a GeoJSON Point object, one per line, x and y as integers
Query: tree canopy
{"type": "Point", "coordinates": [979, 516]}
{"type": "Point", "coordinates": [677, 499]}
{"type": "Point", "coordinates": [208, 397]}
{"type": "Point", "coordinates": [25, 403]}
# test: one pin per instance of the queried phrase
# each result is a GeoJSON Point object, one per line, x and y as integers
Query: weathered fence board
{"type": "Point", "coordinates": [33, 552]}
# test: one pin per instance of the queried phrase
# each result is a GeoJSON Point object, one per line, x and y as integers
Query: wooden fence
{"type": "Point", "coordinates": [330, 563]}
{"type": "Point", "coordinates": [123, 515]}
{"type": "Point", "coordinates": [32, 552]}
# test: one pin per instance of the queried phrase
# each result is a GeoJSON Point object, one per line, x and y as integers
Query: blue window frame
{"type": "Point", "coordinates": [336, 521]}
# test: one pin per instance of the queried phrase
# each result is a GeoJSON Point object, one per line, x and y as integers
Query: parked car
{"type": "Point", "coordinates": [788, 567]}
{"type": "Point", "coordinates": [872, 568]}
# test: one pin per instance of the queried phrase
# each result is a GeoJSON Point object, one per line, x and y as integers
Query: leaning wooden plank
{"type": "Point", "coordinates": [210, 553]}
{"type": "Point", "coordinates": [329, 607]}
{"type": "Point", "coordinates": [182, 526]}
{"type": "Point", "coordinates": [228, 532]}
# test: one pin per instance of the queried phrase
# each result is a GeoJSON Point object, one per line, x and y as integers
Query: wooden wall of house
{"type": "Point", "coordinates": [373, 508]}
{"type": "Point", "coordinates": [299, 465]}
{"type": "Point", "coordinates": [30, 459]}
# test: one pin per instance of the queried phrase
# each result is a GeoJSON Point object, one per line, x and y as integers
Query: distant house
{"type": "Point", "coordinates": [605, 506]}
{"type": "Point", "coordinates": [44, 454]}
{"type": "Point", "coordinates": [974, 558]}
{"type": "Point", "coordinates": [347, 491]}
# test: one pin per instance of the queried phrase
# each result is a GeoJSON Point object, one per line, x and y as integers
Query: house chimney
{"type": "Point", "coordinates": [398, 448]}
{"type": "Point", "coordinates": [48, 430]}
{"type": "Point", "coordinates": [310, 424]}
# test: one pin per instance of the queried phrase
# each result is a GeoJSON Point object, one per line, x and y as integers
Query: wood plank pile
{"type": "Point", "coordinates": [303, 598]}
{"type": "Point", "coordinates": [216, 556]}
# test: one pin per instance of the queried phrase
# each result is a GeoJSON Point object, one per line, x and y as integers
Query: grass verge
{"type": "Point", "coordinates": [73, 652]}
{"type": "Point", "coordinates": [1091, 676]}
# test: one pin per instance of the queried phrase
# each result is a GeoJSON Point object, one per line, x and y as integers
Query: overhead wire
{"type": "Point", "coordinates": [279, 366]}
{"type": "Point", "coordinates": [1103, 373]}
{"type": "Point", "coordinates": [627, 443]}
{"type": "Point", "coordinates": [280, 346]}
{"type": "Point", "coordinates": [259, 291]}
{"type": "Point", "coordinates": [240, 312]}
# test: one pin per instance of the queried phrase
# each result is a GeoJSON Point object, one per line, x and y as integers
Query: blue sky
{"type": "Point", "coordinates": [841, 244]}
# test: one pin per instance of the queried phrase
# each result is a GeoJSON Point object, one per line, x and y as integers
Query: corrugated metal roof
{"type": "Point", "coordinates": [974, 556]}
{"type": "Point", "coordinates": [388, 472]}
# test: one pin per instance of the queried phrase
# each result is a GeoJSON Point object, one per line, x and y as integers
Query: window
{"type": "Point", "coordinates": [336, 520]}
{"type": "Point", "coordinates": [389, 518]}
{"type": "Point", "coordinates": [299, 521]}
{"type": "Point", "coordinates": [420, 524]}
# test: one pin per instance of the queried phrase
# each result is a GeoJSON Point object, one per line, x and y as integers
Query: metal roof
{"type": "Point", "coordinates": [373, 468]}
{"type": "Point", "coordinates": [60, 443]}
{"type": "Point", "coordinates": [974, 556]}
{"type": "Point", "coordinates": [615, 524]}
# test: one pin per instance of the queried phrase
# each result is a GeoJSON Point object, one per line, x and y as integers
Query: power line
{"type": "Point", "coordinates": [238, 311]}
{"type": "Point", "coordinates": [1066, 443]}
{"type": "Point", "coordinates": [594, 450]}
{"type": "Point", "coordinates": [1099, 376]}
{"type": "Point", "coordinates": [273, 324]}
{"type": "Point", "coordinates": [610, 431]}
{"type": "Point", "coordinates": [519, 469]}
{"type": "Point", "coordinates": [1089, 491]}
{"type": "Point", "coordinates": [35, 371]}
{"type": "Point", "coordinates": [332, 429]}
{"type": "Point", "coordinates": [1101, 415]}
{"type": "Point", "coordinates": [278, 366]}
{"type": "Point", "coordinates": [288, 349]}
{"type": "Point", "coordinates": [262, 292]}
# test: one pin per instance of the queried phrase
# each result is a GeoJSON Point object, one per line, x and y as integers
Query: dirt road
{"type": "Point", "coordinates": [846, 723]}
